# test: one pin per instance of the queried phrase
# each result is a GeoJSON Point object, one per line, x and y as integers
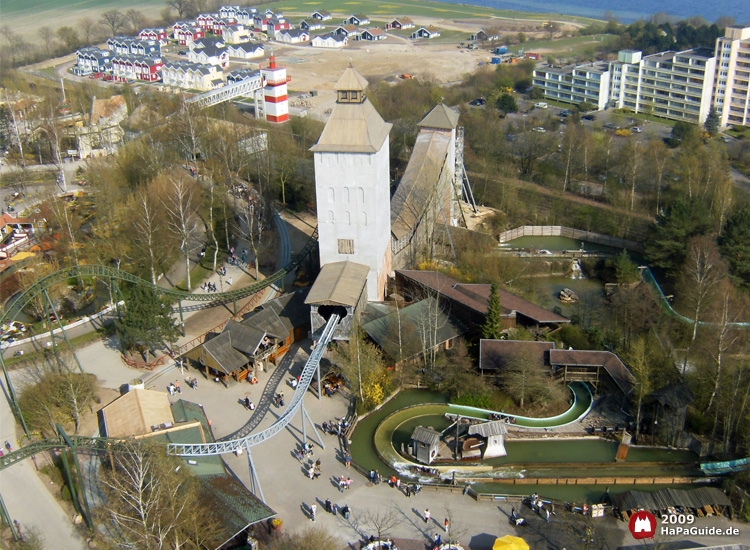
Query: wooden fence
{"type": "Point", "coordinates": [562, 231]}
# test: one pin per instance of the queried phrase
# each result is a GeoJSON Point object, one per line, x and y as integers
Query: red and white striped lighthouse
{"type": "Point", "coordinates": [275, 97]}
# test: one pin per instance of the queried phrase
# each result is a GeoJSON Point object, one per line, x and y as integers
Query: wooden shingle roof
{"type": "Point", "coordinates": [428, 436]}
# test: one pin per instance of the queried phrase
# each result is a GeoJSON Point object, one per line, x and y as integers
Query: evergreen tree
{"type": "Point", "coordinates": [667, 247]}
{"type": "Point", "coordinates": [506, 103]}
{"type": "Point", "coordinates": [712, 122]}
{"type": "Point", "coordinates": [493, 322]}
{"type": "Point", "coordinates": [625, 270]}
{"type": "Point", "coordinates": [735, 244]}
{"type": "Point", "coordinates": [147, 323]}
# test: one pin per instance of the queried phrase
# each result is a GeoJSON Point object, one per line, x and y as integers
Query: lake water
{"type": "Point", "coordinates": [625, 12]}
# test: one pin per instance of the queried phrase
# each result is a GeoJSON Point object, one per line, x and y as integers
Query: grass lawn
{"type": "Point", "coordinates": [574, 46]}
{"type": "Point", "coordinates": [202, 270]}
{"type": "Point", "coordinates": [740, 132]}
{"type": "Point", "coordinates": [23, 16]}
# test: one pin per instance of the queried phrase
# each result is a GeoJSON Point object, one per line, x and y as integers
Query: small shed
{"type": "Point", "coordinates": [493, 432]}
{"type": "Point", "coordinates": [425, 444]}
{"type": "Point", "coordinates": [341, 289]}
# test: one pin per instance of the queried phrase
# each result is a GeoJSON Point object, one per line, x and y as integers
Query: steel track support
{"type": "Point", "coordinates": [306, 416]}
{"type": "Point", "coordinates": [8, 521]}
{"type": "Point", "coordinates": [82, 505]}
{"type": "Point", "coordinates": [13, 397]}
{"type": "Point", "coordinates": [53, 338]}
{"type": "Point", "coordinates": [254, 480]}
{"type": "Point", "coordinates": [182, 318]}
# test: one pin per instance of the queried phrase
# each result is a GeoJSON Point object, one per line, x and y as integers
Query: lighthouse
{"type": "Point", "coordinates": [352, 184]}
{"type": "Point", "coordinates": [275, 95]}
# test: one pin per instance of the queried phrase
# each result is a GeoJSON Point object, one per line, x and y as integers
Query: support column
{"type": "Point", "coordinates": [305, 416]}
{"type": "Point", "coordinates": [182, 319]}
{"type": "Point", "coordinates": [317, 372]}
{"type": "Point", "coordinates": [254, 481]}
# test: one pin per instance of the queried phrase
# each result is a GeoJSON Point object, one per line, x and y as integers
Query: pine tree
{"type": "Point", "coordinates": [147, 322]}
{"type": "Point", "coordinates": [493, 322]}
{"type": "Point", "coordinates": [712, 123]}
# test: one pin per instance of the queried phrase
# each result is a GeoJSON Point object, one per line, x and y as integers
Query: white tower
{"type": "Point", "coordinates": [352, 184]}
{"type": "Point", "coordinates": [275, 96]}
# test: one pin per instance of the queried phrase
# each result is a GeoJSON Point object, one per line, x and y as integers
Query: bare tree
{"type": "Point", "coordinates": [701, 274]}
{"type": "Point", "coordinates": [725, 339]}
{"type": "Point", "coordinates": [147, 223]}
{"type": "Point", "coordinates": [381, 521]}
{"type": "Point", "coordinates": [184, 8]}
{"type": "Point", "coordinates": [640, 366]}
{"type": "Point", "coordinates": [181, 203]}
{"type": "Point", "coordinates": [87, 27]}
{"type": "Point", "coordinates": [153, 502]}
{"type": "Point", "coordinates": [16, 133]}
{"type": "Point", "coordinates": [113, 20]}
{"type": "Point", "coordinates": [46, 35]}
{"type": "Point", "coordinates": [136, 19]}
{"type": "Point", "coordinates": [15, 42]}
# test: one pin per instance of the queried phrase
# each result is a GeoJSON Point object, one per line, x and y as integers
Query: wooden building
{"type": "Point", "coordinates": [425, 444]}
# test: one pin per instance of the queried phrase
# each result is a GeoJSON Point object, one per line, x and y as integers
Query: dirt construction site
{"type": "Point", "coordinates": [318, 69]}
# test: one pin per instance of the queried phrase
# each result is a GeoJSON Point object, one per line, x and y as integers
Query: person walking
{"type": "Point", "coordinates": [446, 523]}
{"type": "Point", "coordinates": [318, 465]}
{"type": "Point", "coordinates": [313, 511]}
{"type": "Point", "coordinates": [546, 517]}
{"type": "Point", "coordinates": [347, 459]}
{"type": "Point", "coordinates": [311, 472]}
{"type": "Point", "coordinates": [348, 483]}
{"type": "Point", "coordinates": [247, 402]}
{"type": "Point", "coordinates": [328, 505]}
{"type": "Point", "coordinates": [427, 515]}
{"type": "Point", "coordinates": [177, 386]}
{"type": "Point", "coordinates": [342, 484]}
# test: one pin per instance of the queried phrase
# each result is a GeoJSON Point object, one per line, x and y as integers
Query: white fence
{"type": "Point", "coordinates": [578, 234]}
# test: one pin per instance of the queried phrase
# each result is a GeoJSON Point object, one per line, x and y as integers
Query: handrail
{"type": "Point", "coordinates": [223, 447]}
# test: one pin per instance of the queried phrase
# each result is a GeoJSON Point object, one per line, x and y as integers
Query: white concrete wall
{"type": "Point", "coordinates": [353, 202]}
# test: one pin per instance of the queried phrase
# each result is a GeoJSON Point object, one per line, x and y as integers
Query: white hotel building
{"type": "Point", "coordinates": [732, 92]}
{"type": "Point", "coordinates": [575, 84]}
{"type": "Point", "coordinates": [674, 85]}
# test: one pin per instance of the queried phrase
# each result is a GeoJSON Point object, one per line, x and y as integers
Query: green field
{"type": "Point", "coordinates": [24, 16]}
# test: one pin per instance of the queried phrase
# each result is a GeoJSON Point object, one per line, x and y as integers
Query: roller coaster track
{"type": "Point", "coordinates": [107, 444]}
{"type": "Point", "coordinates": [220, 298]}
{"type": "Point", "coordinates": [230, 446]}
{"type": "Point", "coordinates": [81, 443]}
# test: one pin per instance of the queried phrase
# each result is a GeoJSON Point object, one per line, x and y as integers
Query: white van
{"type": "Point", "coordinates": [540, 105]}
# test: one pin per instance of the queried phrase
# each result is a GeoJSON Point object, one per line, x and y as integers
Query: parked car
{"type": "Point", "coordinates": [725, 139]}
{"type": "Point", "coordinates": [609, 126]}
{"type": "Point", "coordinates": [478, 102]}
{"type": "Point", "coordinates": [588, 117]}
{"type": "Point", "coordinates": [636, 129]}
{"type": "Point", "coordinates": [538, 129]}
{"type": "Point", "coordinates": [540, 105]}
{"type": "Point", "coordinates": [565, 112]}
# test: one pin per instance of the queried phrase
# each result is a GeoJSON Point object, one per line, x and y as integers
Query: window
{"type": "Point", "coordinates": [347, 218]}
{"type": "Point", "coordinates": [361, 192]}
{"type": "Point", "coordinates": [344, 95]}
{"type": "Point", "coordinates": [330, 216]}
{"type": "Point", "coordinates": [346, 246]}
{"type": "Point", "coordinates": [331, 195]}
{"type": "Point", "coordinates": [346, 194]}
{"type": "Point", "coordinates": [363, 216]}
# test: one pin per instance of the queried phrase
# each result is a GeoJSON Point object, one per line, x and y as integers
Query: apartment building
{"type": "Point", "coordinates": [673, 85]}
{"type": "Point", "coordinates": [575, 84]}
{"type": "Point", "coordinates": [732, 90]}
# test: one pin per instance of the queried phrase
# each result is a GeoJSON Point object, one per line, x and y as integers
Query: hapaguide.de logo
{"type": "Point", "coordinates": [642, 525]}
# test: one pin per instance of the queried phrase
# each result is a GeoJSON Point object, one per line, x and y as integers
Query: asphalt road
{"type": "Point", "coordinates": [28, 500]}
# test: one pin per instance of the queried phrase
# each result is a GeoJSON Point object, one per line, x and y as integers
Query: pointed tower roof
{"type": "Point", "coordinates": [441, 117]}
{"type": "Point", "coordinates": [351, 80]}
{"type": "Point", "coordinates": [354, 126]}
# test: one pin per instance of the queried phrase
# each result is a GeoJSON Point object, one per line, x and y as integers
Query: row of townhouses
{"type": "Point", "coordinates": [683, 85]}
{"type": "Point", "coordinates": [231, 29]}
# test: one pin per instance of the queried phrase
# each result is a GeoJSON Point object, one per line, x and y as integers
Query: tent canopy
{"type": "Point", "coordinates": [509, 542]}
